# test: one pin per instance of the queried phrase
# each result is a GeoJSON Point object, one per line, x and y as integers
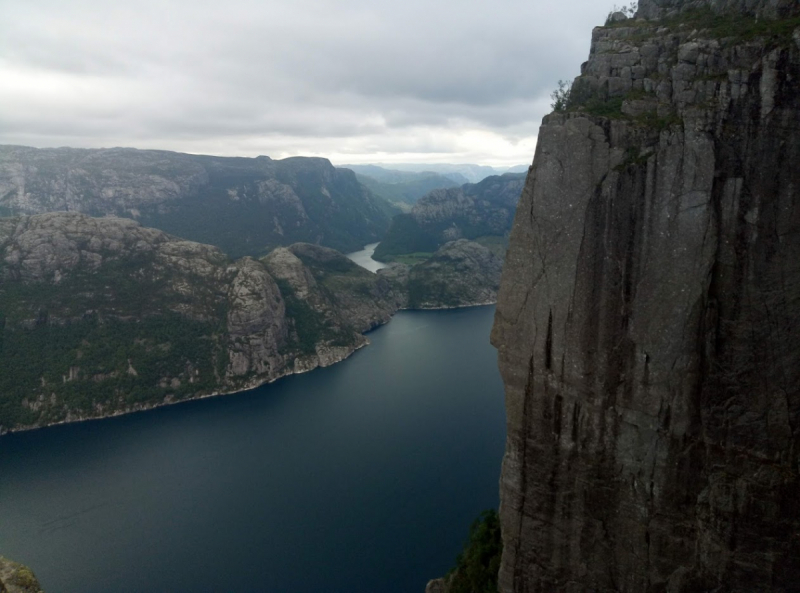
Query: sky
{"type": "Point", "coordinates": [355, 81]}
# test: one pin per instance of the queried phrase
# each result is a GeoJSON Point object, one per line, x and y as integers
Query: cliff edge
{"type": "Point", "coordinates": [648, 312]}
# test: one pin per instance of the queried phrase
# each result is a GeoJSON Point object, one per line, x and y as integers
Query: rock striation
{"type": "Point", "coordinates": [648, 312]}
{"type": "Point", "coordinates": [245, 206]}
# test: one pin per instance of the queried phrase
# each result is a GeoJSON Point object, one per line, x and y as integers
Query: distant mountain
{"type": "Point", "coordinates": [518, 169]}
{"type": "Point", "coordinates": [461, 173]}
{"type": "Point", "coordinates": [245, 206]}
{"type": "Point", "coordinates": [481, 211]}
{"type": "Point", "coordinates": [460, 273]}
{"type": "Point", "coordinates": [405, 193]}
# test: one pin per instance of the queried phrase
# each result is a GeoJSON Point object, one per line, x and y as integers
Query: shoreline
{"type": "Point", "coordinates": [253, 384]}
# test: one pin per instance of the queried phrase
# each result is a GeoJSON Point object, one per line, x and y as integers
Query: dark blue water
{"type": "Point", "coordinates": [363, 476]}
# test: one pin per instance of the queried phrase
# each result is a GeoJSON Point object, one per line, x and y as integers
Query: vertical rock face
{"type": "Point", "coordinates": [647, 321]}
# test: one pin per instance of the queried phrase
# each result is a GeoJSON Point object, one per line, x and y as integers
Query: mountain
{"type": "Point", "coordinates": [472, 211]}
{"type": "Point", "coordinates": [101, 316]}
{"type": "Point", "coordinates": [404, 193]}
{"type": "Point", "coordinates": [648, 314]}
{"type": "Point", "coordinates": [245, 206]}
{"type": "Point", "coordinates": [396, 176]}
{"type": "Point", "coordinates": [460, 173]}
{"type": "Point", "coordinates": [460, 274]}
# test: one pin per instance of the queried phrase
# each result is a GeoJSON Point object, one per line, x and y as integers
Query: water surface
{"type": "Point", "coordinates": [360, 477]}
{"type": "Point", "coordinates": [364, 258]}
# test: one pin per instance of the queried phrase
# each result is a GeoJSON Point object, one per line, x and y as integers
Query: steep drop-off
{"type": "Point", "coordinates": [648, 314]}
{"type": "Point", "coordinates": [244, 206]}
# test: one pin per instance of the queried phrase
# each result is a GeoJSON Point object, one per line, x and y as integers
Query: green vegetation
{"type": "Point", "coordinates": [102, 361]}
{"type": "Point", "coordinates": [478, 564]}
{"type": "Point", "coordinates": [407, 191]}
{"type": "Point", "coordinates": [610, 108]}
{"type": "Point", "coordinates": [411, 259]}
{"type": "Point", "coordinates": [475, 210]}
{"type": "Point", "coordinates": [735, 26]}
{"type": "Point", "coordinates": [405, 235]}
{"type": "Point", "coordinates": [310, 326]}
{"type": "Point", "coordinates": [629, 11]}
{"type": "Point", "coordinates": [561, 96]}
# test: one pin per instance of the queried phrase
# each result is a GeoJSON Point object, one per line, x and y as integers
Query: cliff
{"type": "Point", "coordinates": [244, 206]}
{"type": "Point", "coordinates": [103, 316]}
{"type": "Point", "coordinates": [648, 312]}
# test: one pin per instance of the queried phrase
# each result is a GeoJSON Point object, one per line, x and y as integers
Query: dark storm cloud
{"type": "Point", "coordinates": [305, 77]}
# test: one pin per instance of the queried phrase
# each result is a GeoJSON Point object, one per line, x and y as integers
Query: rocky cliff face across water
{"type": "Point", "coordinates": [101, 316]}
{"type": "Point", "coordinates": [647, 321]}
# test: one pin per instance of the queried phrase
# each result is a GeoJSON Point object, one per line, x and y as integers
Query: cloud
{"type": "Point", "coordinates": [443, 81]}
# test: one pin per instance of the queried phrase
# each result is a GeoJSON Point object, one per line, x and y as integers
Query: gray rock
{"type": "Point", "coordinates": [646, 331]}
{"type": "Point", "coordinates": [617, 17]}
{"type": "Point", "coordinates": [17, 578]}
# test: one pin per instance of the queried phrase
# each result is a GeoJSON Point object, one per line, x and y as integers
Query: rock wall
{"type": "Point", "coordinates": [648, 312]}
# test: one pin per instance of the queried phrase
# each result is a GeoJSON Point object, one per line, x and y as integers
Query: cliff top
{"type": "Point", "coordinates": [658, 9]}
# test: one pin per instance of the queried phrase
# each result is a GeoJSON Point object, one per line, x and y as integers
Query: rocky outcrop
{"type": "Point", "coordinates": [648, 313]}
{"type": "Point", "coordinates": [17, 578]}
{"type": "Point", "coordinates": [460, 274]}
{"type": "Point", "coordinates": [103, 316]}
{"type": "Point", "coordinates": [244, 206]}
{"type": "Point", "coordinates": [471, 211]}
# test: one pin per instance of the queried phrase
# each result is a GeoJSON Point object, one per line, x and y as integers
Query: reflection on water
{"type": "Point", "coordinates": [364, 258]}
{"type": "Point", "coordinates": [363, 476]}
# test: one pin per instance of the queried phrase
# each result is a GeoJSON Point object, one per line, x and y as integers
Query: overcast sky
{"type": "Point", "coordinates": [355, 81]}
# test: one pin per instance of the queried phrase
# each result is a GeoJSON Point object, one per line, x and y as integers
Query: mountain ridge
{"type": "Point", "coordinates": [245, 206]}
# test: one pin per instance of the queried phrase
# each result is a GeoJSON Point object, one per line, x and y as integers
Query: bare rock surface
{"type": "Point", "coordinates": [17, 578]}
{"type": "Point", "coordinates": [648, 312]}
